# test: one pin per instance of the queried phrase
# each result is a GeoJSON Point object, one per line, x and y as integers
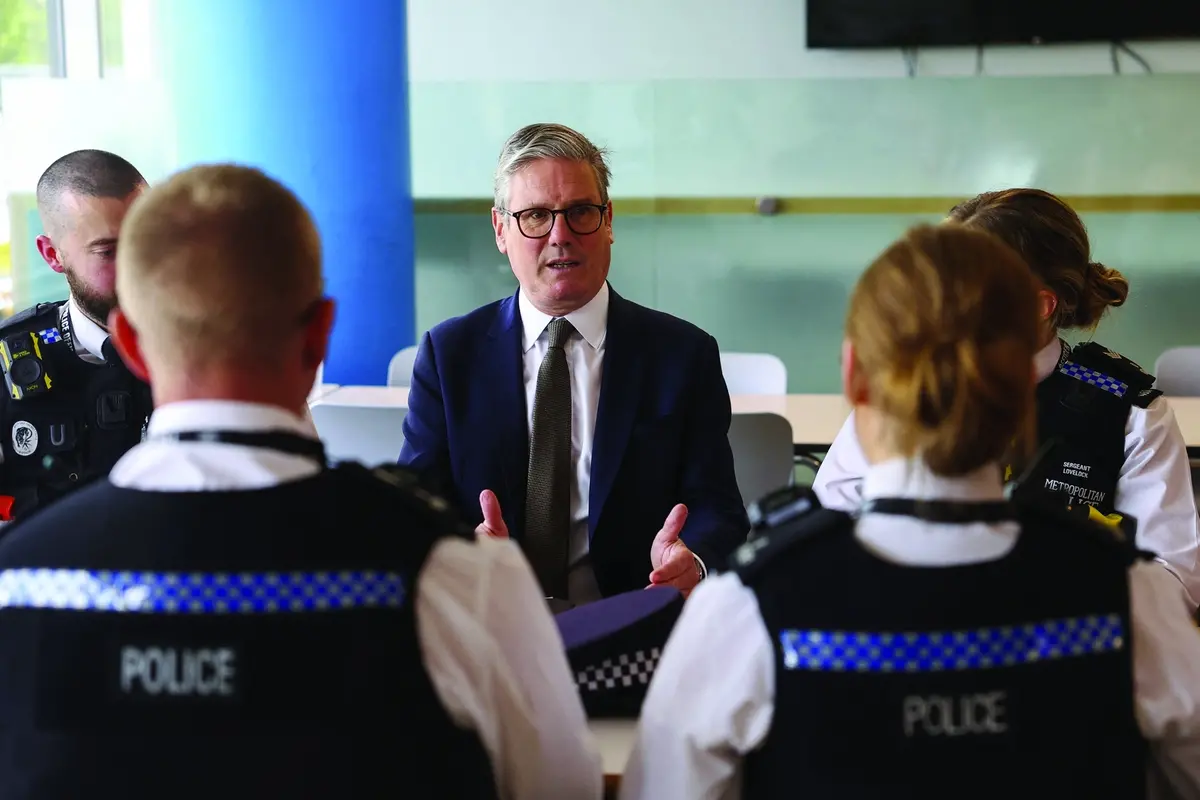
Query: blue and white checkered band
{"type": "Point", "coordinates": [199, 593]}
{"type": "Point", "coordinates": [50, 336]}
{"type": "Point", "coordinates": [620, 672]}
{"type": "Point", "coordinates": [1097, 379]}
{"type": "Point", "coordinates": [985, 648]}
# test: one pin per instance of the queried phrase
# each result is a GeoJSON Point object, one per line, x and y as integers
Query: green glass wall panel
{"type": "Point", "coordinates": [781, 284]}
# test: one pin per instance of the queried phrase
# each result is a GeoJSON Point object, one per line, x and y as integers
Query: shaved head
{"type": "Point", "coordinates": [84, 173]}
{"type": "Point", "coordinates": [82, 199]}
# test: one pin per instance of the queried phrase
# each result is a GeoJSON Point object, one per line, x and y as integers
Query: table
{"type": "Point", "coordinates": [815, 418]}
{"type": "Point", "coordinates": [321, 390]}
{"type": "Point", "coordinates": [614, 738]}
{"type": "Point", "coordinates": [365, 396]}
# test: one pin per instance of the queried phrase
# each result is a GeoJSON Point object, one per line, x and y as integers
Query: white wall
{"type": "Point", "coordinates": [621, 40]}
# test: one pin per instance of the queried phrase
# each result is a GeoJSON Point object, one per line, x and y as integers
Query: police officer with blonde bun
{"type": "Point", "coordinates": [1112, 445]}
{"type": "Point", "coordinates": [227, 616]}
{"type": "Point", "coordinates": [931, 646]}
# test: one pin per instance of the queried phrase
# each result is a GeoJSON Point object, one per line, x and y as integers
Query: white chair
{"type": "Point", "coordinates": [762, 454]}
{"type": "Point", "coordinates": [1177, 372]}
{"type": "Point", "coordinates": [754, 373]}
{"type": "Point", "coordinates": [761, 373]}
{"type": "Point", "coordinates": [401, 366]}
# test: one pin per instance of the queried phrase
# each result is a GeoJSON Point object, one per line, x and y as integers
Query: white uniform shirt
{"type": "Point", "coordinates": [1154, 485]}
{"type": "Point", "coordinates": [711, 700]}
{"type": "Point", "coordinates": [89, 338]}
{"type": "Point", "coordinates": [489, 643]}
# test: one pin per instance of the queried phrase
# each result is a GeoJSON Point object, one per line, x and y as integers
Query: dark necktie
{"type": "Point", "coordinates": [548, 489]}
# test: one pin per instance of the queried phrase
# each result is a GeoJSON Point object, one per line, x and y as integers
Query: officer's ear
{"type": "Point", "coordinates": [853, 385]}
{"type": "Point", "coordinates": [49, 253]}
{"type": "Point", "coordinates": [318, 324]}
{"type": "Point", "coordinates": [1047, 304]}
{"type": "Point", "coordinates": [125, 339]}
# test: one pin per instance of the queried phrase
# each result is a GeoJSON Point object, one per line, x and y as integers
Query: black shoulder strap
{"type": "Point", "coordinates": [749, 559]}
{"type": "Point", "coordinates": [407, 487]}
{"type": "Point", "coordinates": [40, 315]}
{"type": "Point", "coordinates": [1111, 372]}
{"type": "Point", "coordinates": [1113, 531]}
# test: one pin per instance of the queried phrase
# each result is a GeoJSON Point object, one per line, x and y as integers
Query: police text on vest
{"type": "Point", "coordinates": [954, 716]}
{"type": "Point", "coordinates": [175, 671]}
{"type": "Point", "coordinates": [1091, 497]}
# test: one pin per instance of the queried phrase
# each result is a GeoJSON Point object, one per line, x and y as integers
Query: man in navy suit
{"type": "Point", "coordinates": [592, 430]}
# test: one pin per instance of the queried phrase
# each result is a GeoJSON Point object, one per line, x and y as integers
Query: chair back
{"type": "Point", "coordinates": [754, 373]}
{"type": "Point", "coordinates": [763, 459]}
{"type": "Point", "coordinates": [401, 366]}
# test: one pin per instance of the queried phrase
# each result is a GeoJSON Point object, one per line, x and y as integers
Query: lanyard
{"type": "Point", "coordinates": [64, 327]}
{"type": "Point", "coordinates": [289, 443]}
{"type": "Point", "coordinates": [942, 510]}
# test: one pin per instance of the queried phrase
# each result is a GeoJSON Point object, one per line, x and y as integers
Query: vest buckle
{"type": "Point", "coordinates": [112, 409]}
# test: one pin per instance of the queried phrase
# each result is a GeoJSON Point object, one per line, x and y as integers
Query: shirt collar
{"type": "Point", "coordinates": [1046, 360]}
{"type": "Point", "coordinates": [911, 478]}
{"type": "Point", "coordinates": [86, 334]}
{"type": "Point", "coordinates": [212, 415]}
{"type": "Point", "coordinates": [591, 320]}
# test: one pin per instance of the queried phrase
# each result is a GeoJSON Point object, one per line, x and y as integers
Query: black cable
{"type": "Point", "coordinates": [1116, 62]}
{"type": "Point", "coordinates": [979, 60]}
{"type": "Point", "coordinates": [1134, 55]}
{"type": "Point", "coordinates": [910, 60]}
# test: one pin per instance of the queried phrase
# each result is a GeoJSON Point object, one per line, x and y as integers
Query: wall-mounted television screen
{"type": "Point", "coordinates": [949, 23]}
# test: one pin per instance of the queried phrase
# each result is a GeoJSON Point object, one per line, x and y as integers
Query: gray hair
{"type": "Point", "coordinates": [548, 140]}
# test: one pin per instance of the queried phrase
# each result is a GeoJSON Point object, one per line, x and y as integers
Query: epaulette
{"type": "Point", "coordinates": [31, 313]}
{"type": "Point", "coordinates": [407, 486]}
{"type": "Point", "coordinates": [749, 559]}
{"type": "Point", "coordinates": [1111, 372]}
{"type": "Point", "coordinates": [1112, 530]}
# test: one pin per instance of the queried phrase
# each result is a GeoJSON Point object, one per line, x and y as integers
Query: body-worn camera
{"type": "Point", "coordinates": [781, 507]}
{"type": "Point", "coordinates": [25, 372]}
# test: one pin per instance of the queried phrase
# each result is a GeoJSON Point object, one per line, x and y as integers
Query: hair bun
{"type": "Point", "coordinates": [944, 326]}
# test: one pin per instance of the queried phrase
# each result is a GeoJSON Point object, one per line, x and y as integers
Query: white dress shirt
{"type": "Point", "coordinates": [489, 644]}
{"type": "Point", "coordinates": [711, 700]}
{"type": "Point", "coordinates": [585, 363]}
{"type": "Point", "coordinates": [1154, 485]}
{"type": "Point", "coordinates": [89, 338]}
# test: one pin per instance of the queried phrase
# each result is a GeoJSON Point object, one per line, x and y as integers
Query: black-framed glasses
{"type": "Point", "coordinates": [536, 223]}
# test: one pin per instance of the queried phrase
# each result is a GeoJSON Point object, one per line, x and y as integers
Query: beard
{"type": "Point", "coordinates": [96, 305]}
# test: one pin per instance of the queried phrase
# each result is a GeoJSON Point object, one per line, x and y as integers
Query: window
{"type": "Point", "coordinates": [24, 38]}
{"type": "Point", "coordinates": [112, 43]}
{"type": "Point", "coordinates": [24, 51]}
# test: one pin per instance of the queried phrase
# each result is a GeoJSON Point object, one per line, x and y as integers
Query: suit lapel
{"type": "Point", "coordinates": [620, 388]}
{"type": "Point", "coordinates": [504, 391]}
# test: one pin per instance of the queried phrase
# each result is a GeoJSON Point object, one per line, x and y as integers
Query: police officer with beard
{"type": "Point", "coordinates": [228, 615]}
{"type": "Point", "coordinates": [70, 407]}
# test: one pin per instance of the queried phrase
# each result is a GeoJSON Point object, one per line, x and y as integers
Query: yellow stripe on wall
{"type": "Point", "coordinates": [1102, 203]}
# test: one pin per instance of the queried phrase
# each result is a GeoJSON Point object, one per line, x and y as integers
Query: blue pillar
{"type": "Point", "coordinates": [315, 93]}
